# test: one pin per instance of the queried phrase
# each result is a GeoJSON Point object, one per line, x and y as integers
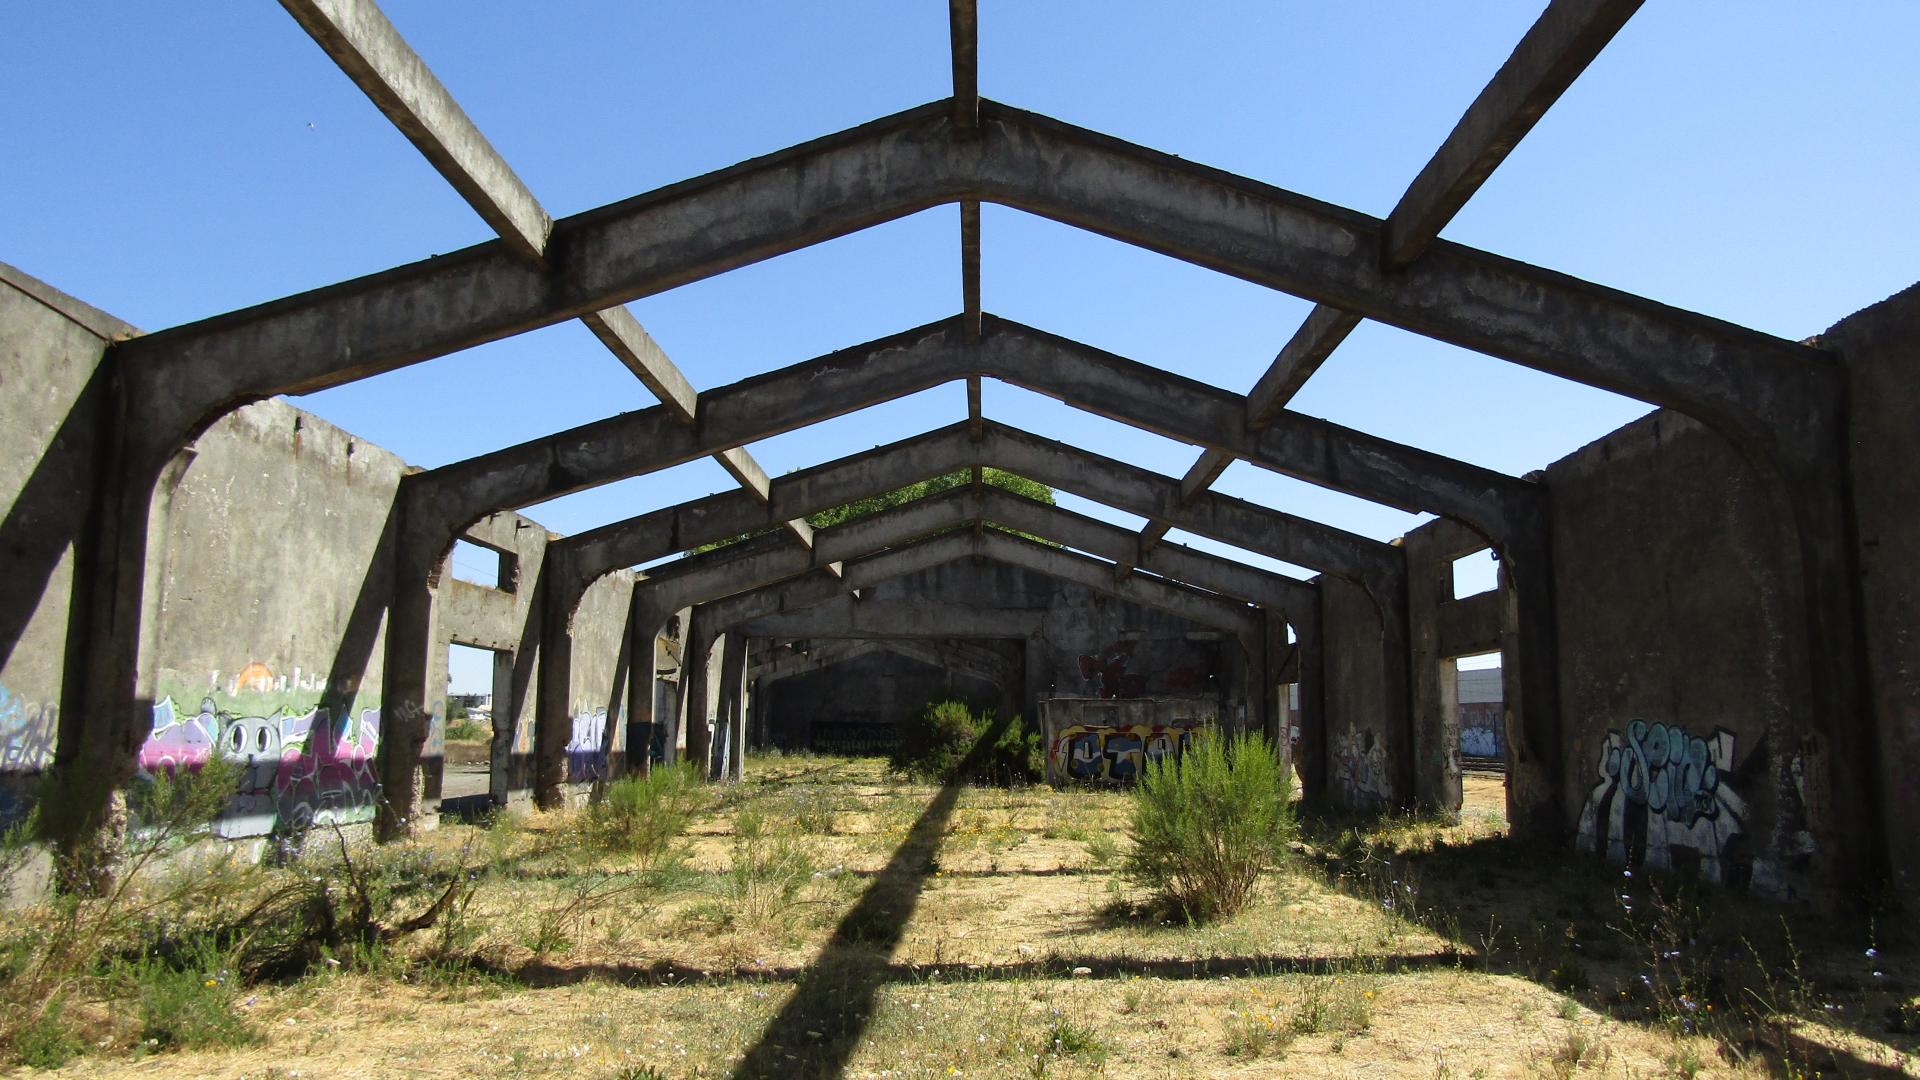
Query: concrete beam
{"type": "Point", "coordinates": [445, 499]}
{"type": "Point", "coordinates": [970, 269]}
{"type": "Point", "coordinates": [1303, 447]}
{"type": "Point", "coordinates": [371, 51]}
{"type": "Point", "coordinates": [1711, 369]}
{"type": "Point", "coordinates": [829, 653]}
{"type": "Point", "coordinates": [1232, 521]}
{"type": "Point", "coordinates": [357, 35]}
{"type": "Point", "coordinates": [1560, 45]}
{"type": "Point", "coordinates": [1555, 50]}
{"type": "Point", "coordinates": [886, 468]}
{"type": "Point", "coordinates": [1210, 572]}
{"type": "Point", "coordinates": [963, 22]}
{"type": "Point", "coordinates": [1322, 332]}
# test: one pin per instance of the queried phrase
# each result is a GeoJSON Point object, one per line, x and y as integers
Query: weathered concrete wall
{"type": "Point", "coordinates": [273, 561]}
{"type": "Point", "coordinates": [1087, 642]}
{"type": "Point", "coordinates": [1680, 659]}
{"type": "Point", "coordinates": [50, 408]}
{"type": "Point", "coordinates": [1368, 736]}
{"type": "Point", "coordinates": [858, 703]}
{"type": "Point", "coordinates": [1090, 740]}
{"type": "Point", "coordinates": [602, 680]}
{"type": "Point", "coordinates": [1881, 349]}
{"type": "Point", "coordinates": [270, 573]}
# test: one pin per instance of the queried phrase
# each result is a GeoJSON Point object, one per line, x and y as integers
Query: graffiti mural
{"type": "Point", "coordinates": [1117, 753]}
{"type": "Point", "coordinates": [27, 733]}
{"type": "Point", "coordinates": [1134, 669]}
{"type": "Point", "coordinates": [298, 767]}
{"type": "Point", "coordinates": [586, 747]}
{"type": "Point", "coordinates": [1662, 798]}
{"type": "Point", "coordinates": [1360, 770]}
{"type": "Point", "coordinates": [1481, 734]}
{"type": "Point", "coordinates": [1106, 674]}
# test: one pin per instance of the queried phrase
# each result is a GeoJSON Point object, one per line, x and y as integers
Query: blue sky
{"type": "Point", "coordinates": [1750, 160]}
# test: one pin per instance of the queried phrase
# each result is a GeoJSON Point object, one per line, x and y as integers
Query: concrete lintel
{"type": "Point", "coordinates": [367, 47]}
{"type": "Point", "coordinates": [1471, 624]}
{"type": "Point", "coordinates": [1566, 38]}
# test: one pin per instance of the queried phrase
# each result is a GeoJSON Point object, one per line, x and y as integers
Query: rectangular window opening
{"type": "Point", "coordinates": [1475, 573]}
{"type": "Point", "coordinates": [478, 564]}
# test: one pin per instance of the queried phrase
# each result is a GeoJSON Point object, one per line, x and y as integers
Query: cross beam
{"type": "Point", "coordinates": [1565, 39]}
{"type": "Point", "coordinates": [372, 52]}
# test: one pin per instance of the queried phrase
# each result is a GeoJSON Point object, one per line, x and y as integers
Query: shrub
{"type": "Point", "coordinates": [467, 729]}
{"type": "Point", "coordinates": [188, 1004]}
{"type": "Point", "coordinates": [767, 871]}
{"type": "Point", "coordinates": [1205, 825]}
{"type": "Point", "coordinates": [939, 745]}
{"type": "Point", "coordinates": [643, 815]}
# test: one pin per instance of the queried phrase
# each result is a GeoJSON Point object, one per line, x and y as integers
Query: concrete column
{"type": "Point", "coordinates": [1311, 755]}
{"type": "Point", "coordinates": [107, 696]}
{"type": "Point", "coordinates": [1531, 680]}
{"type": "Point", "coordinates": [553, 704]}
{"type": "Point", "coordinates": [725, 759]}
{"type": "Point", "coordinates": [505, 724]}
{"type": "Point", "coordinates": [406, 689]}
{"type": "Point", "coordinates": [693, 687]}
{"type": "Point", "coordinates": [1271, 692]}
{"type": "Point", "coordinates": [1436, 722]}
{"type": "Point", "coordinates": [733, 695]}
{"type": "Point", "coordinates": [1036, 677]}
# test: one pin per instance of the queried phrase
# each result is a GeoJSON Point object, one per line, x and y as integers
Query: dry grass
{"type": "Point", "coordinates": [931, 943]}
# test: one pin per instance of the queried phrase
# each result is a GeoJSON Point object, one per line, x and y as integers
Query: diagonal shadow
{"type": "Point", "coordinates": [817, 1030]}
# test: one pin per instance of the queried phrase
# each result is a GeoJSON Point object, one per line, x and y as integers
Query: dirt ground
{"type": "Point", "coordinates": [826, 919]}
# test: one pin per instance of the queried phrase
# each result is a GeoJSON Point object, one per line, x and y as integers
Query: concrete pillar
{"type": "Point", "coordinates": [725, 758]}
{"type": "Point", "coordinates": [1036, 677]}
{"type": "Point", "coordinates": [1310, 757]}
{"type": "Point", "coordinates": [734, 659]}
{"type": "Point", "coordinates": [107, 693]}
{"type": "Point", "coordinates": [406, 689]}
{"type": "Point", "coordinates": [1436, 720]}
{"type": "Point", "coordinates": [505, 724]}
{"type": "Point", "coordinates": [553, 701]}
{"type": "Point", "coordinates": [1531, 680]}
{"type": "Point", "coordinates": [1272, 689]}
{"type": "Point", "coordinates": [693, 686]}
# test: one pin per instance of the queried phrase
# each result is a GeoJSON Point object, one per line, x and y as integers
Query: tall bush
{"type": "Point", "coordinates": [938, 745]}
{"type": "Point", "coordinates": [1206, 824]}
{"type": "Point", "coordinates": [643, 815]}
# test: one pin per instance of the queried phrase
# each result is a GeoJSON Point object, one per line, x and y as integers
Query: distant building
{"type": "Point", "coordinates": [1483, 733]}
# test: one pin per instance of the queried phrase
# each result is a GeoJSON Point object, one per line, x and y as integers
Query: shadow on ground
{"type": "Point", "coordinates": [1642, 948]}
